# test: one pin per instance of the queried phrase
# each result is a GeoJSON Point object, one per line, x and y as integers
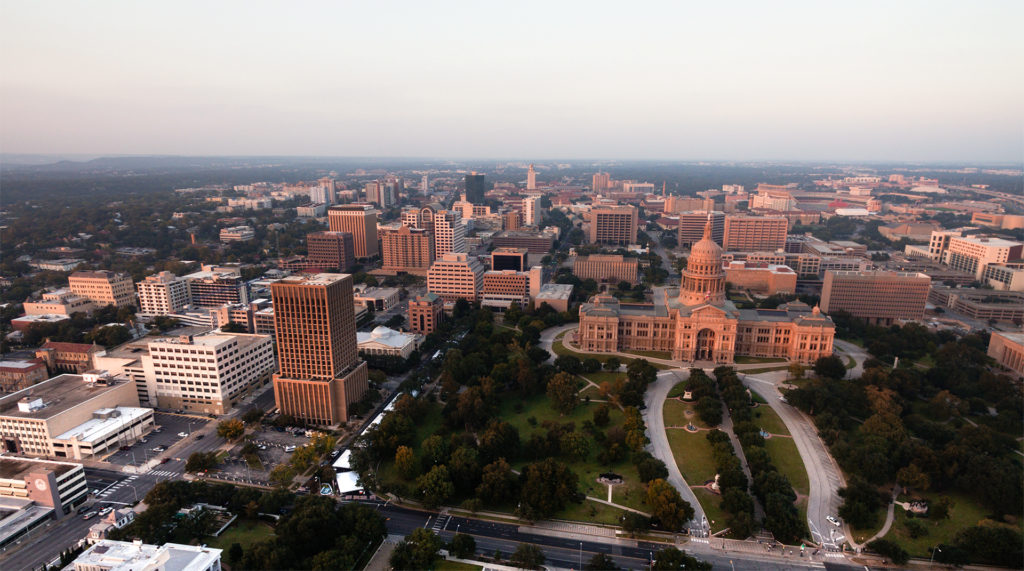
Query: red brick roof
{"type": "Point", "coordinates": [69, 347]}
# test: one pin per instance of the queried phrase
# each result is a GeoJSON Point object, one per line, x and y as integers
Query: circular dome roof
{"type": "Point", "coordinates": [706, 248]}
{"type": "Point", "coordinates": [380, 331]}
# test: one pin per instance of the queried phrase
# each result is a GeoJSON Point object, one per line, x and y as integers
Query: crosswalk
{"type": "Point", "coordinates": [440, 522]}
{"type": "Point", "coordinates": [116, 486]}
{"type": "Point", "coordinates": [163, 473]}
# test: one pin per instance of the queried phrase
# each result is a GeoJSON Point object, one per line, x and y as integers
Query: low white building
{"type": "Point", "coordinates": [105, 432]}
{"type": "Point", "coordinates": [377, 298]}
{"type": "Point", "coordinates": [109, 555]}
{"type": "Point", "coordinates": [385, 341]}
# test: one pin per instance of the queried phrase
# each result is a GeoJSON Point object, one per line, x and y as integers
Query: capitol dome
{"type": "Point", "coordinates": [704, 279]}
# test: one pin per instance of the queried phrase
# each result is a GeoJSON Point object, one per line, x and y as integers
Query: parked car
{"type": "Point", "coordinates": [165, 460]}
{"type": "Point", "coordinates": [832, 520]}
{"type": "Point", "coordinates": [182, 434]}
{"type": "Point", "coordinates": [105, 511]}
{"type": "Point", "coordinates": [126, 448]}
{"type": "Point", "coordinates": [89, 516]}
{"type": "Point", "coordinates": [200, 436]}
{"type": "Point", "coordinates": [289, 448]}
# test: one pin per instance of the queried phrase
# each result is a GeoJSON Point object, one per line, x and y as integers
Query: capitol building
{"type": "Point", "coordinates": [697, 322]}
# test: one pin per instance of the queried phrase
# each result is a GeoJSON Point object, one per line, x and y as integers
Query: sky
{"type": "Point", "coordinates": [785, 80]}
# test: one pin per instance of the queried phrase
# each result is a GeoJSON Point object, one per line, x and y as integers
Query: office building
{"type": "Point", "coordinates": [531, 179]}
{"type": "Point", "coordinates": [774, 199]}
{"type": "Point", "coordinates": [209, 373]}
{"type": "Point", "coordinates": [755, 233]}
{"type": "Point", "coordinates": [330, 251]}
{"type": "Point", "coordinates": [511, 220]}
{"type": "Point", "coordinates": [59, 302]}
{"type": "Point", "coordinates": [877, 297]}
{"type": "Point", "coordinates": [938, 243]}
{"type": "Point", "coordinates": [980, 304]}
{"type": "Point", "coordinates": [406, 249]}
{"type": "Point", "coordinates": [555, 295]}
{"type": "Point", "coordinates": [697, 323]}
{"type": "Point", "coordinates": [57, 487]}
{"type": "Point", "coordinates": [1003, 221]}
{"type": "Point", "coordinates": [533, 212]}
{"type": "Point", "coordinates": [103, 287]}
{"type": "Point", "coordinates": [610, 269]}
{"type": "Point", "coordinates": [425, 313]}
{"type": "Point", "coordinates": [209, 288]}
{"type": "Point", "coordinates": [691, 227]}
{"type": "Point", "coordinates": [615, 225]}
{"type": "Point", "coordinates": [761, 278]}
{"type": "Point", "coordinates": [449, 233]}
{"type": "Point", "coordinates": [509, 259]}
{"type": "Point", "coordinates": [320, 375]}
{"type": "Point", "coordinates": [325, 191]}
{"type": "Point", "coordinates": [1008, 350]}
{"type": "Point", "coordinates": [377, 298]}
{"type": "Point", "coordinates": [540, 243]}
{"type": "Point", "coordinates": [1005, 277]}
{"type": "Point", "coordinates": [600, 182]}
{"type": "Point", "coordinates": [388, 342]}
{"type": "Point", "coordinates": [237, 234]}
{"type": "Point", "coordinates": [162, 294]}
{"type": "Point", "coordinates": [16, 375]}
{"type": "Point", "coordinates": [475, 188]}
{"type": "Point", "coordinates": [110, 555]}
{"type": "Point", "coordinates": [681, 204]}
{"type": "Point", "coordinates": [973, 254]}
{"type": "Point", "coordinates": [505, 287]}
{"type": "Point", "coordinates": [456, 276]}
{"type": "Point", "coordinates": [73, 416]}
{"type": "Point", "coordinates": [360, 220]}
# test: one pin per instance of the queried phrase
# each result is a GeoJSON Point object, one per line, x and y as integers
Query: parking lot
{"type": "Point", "coordinates": [272, 444]}
{"type": "Point", "coordinates": [169, 426]}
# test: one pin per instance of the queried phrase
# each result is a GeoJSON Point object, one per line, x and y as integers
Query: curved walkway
{"type": "Point", "coordinates": [660, 448]}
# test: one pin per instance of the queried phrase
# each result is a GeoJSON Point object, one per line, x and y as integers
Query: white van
{"type": "Point", "coordinates": [289, 448]}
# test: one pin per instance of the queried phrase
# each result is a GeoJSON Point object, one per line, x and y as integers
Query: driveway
{"type": "Point", "coordinates": [845, 348]}
{"type": "Point", "coordinates": [547, 338]}
{"type": "Point", "coordinates": [659, 446]}
{"type": "Point", "coordinates": [822, 472]}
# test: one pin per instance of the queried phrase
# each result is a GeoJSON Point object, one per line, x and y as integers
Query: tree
{"type": "Point", "coordinates": [232, 429]}
{"type": "Point", "coordinates": [612, 364]}
{"type": "Point", "coordinates": [890, 549]}
{"type": "Point", "coordinates": [282, 475]}
{"type": "Point", "coordinates": [601, 562]}
{"type": "Point", "coordinates": [912, 477]}
{"type": "Point", "coordinates": [435, 486]}
{"type": "Point", "coordinates": [633, 522]}
{"type": "Point", "coordinates": [651, 468]}
{"type": "Point", "coordinates": [796, 371]}
{"type": "Point", "coordinates": [235, 553]}
{"type": "Point", "coordinates": [830, 367]}
{"type": "Point", "coordinates": [601, 417]}
{"type": "Point", "coordinates": [672, 559]}
{"type": "Point", "coordinates": [569, 364]}
{"type": "Point", "coordinates": [405, 462]}
{"type": "Point", "coordinates": [546, 486]}
{"type": "Point", "coordinates": [527, 556]}
{"type": "Point", "coordinates": [417, 551]}
{"type": "Point", "coordinates": [563, 393]}
{"type": "Point", "coordinates": [575, 445]}
{"type": "Point", "coordinates": [497, 482]}
{"type": "Point", "coordinates": [435, 449]}
{"type": "Point", "coordinates": [201, 461]}
{"type": "Point", "coordinates": [463, 545]}
{"type": "Point", "coordinates": [231, 327]}
{"type": "Point", "coordinates": [667, 506]}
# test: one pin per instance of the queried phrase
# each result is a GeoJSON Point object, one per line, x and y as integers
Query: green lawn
{"type": "Point", "coordinates": [769, 420]}
{"type": "Point", "coordinates": [591, 512]}
{"type": "Point", "coordinates": [786, 458]}
{"type": "Point", "coordinates": [445, 565]}
{"type": "Point", "coordinates": [765, 370]}
{"type": "Point", "coordinates": [745, 360]}
{"type": "Point", "coordinates": [604, 376]}
{"type": "Point", "coordinates": [678, 390]}
{"type": "Point", "coordinates": [964, 513]}
{"type": "Point", "coordinates": [850, 362]}
{"type": "Point", "coordinates": [560, 349]}
{"type": "Point", "coordinates": [244, 532]}
{"type": "Point", "coordinates": [675, 413]}
{"type": "Point", "coordinates": [712, 508]}
{"type": "Point", "coordinates": [590, 391]}
{"type": "Point", "coordinates": [693, 455]}
{"type": "Point", "coordinates": [667, 355]}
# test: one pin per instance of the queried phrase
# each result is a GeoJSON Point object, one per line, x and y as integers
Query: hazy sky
{"type": "Point", "coordinates": [820, 80]}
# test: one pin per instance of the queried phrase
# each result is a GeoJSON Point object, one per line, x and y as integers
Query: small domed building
{"type": "Point", "coordinates": [697, 322]}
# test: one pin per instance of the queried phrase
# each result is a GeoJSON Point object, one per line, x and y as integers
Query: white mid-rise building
{"type": "Point", "coordinates": [973, 254]}
{"type": "Point", "coordinates": [109, 555]}
{"type": "Point", "coordinates": [532, 211]}
{"type": "Point", "coordinates": [449, 233]}
{"type": "Point", "coordinates": [162, 294]}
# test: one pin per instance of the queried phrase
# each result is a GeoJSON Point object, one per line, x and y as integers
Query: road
{"type": "Point", "coordinates": [659, 446]}
{"type": "Point", "coordinates": [823, 474]}
{"type": "Point", "coordinates": [569, 552]}
{"type": "Point", "coordinates": [547, 338]}
{"type": "Point", "coordinates": [858, 354]}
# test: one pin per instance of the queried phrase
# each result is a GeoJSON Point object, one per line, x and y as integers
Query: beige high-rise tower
{"type": "Point", "coordinates": [319, 374]}
{"type": "Point", "coordinates": [531, 179]}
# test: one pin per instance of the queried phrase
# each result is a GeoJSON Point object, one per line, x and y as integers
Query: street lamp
{"type": "Point", "coordinates": [932, 559]}
{"type": "Point", "coordinates": [581, 555]}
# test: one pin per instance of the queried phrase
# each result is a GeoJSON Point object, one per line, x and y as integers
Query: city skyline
{"type": "Point", "coordinates": [912, 81]}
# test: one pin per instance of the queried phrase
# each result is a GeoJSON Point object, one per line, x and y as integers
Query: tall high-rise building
{"type": "Point", "coordinates": [613, 225]}
{"type": "Point", "coordinates": [456, 276]}
{"type": "Point", "coordinates": [425, 185]}
{"type": "Point", "coordinates": [319, 374]}
{"type": "Point", "coordinates": [162, 294]}
{"type": "Point", "coordinates": [405, 249]}
{"type": "Point", "coordinates": [361, 221]}
{"type": "Point", "coordinates": [755, 233]}
{"type": "Point", "coordinates": [328, 190]}
{"type": "Point", "coordinates": [691, 227]}
{"type": "Point", "coordinates": [103, 287]}
{"type": "Point", "coordinates": [601, 182]}
{"type": "Point", "coordinates": [208, 288]}
{"type": "Point", "coordinates": [878, 297]}
{"type": "Point", "coordinates": [475, 188]}
{"type": "Point", "coordinates": [425, 313]}
{"type": "Point", "coordinates": [532, 211]}
{"type": "Point", "coordinates": [328, 250]}
{"type": "Point", "coordinates": [531, 179]}
{"type": "Point", "coordinates": [449, 233]}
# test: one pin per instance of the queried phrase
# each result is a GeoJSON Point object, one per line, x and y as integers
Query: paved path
{"type": "Point", "coordinates": [823, 474]}
{"type": "Point", "coordinates": [659, 446]}
{"type": "Point", "coordinates": [889, 517]}
{"type": "Point", "coordinates": [845, 348]}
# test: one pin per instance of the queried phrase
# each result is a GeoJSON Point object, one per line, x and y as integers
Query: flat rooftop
{"type": "Point", "coordinates": [19, 365]}
{"type": "Point", "coordinates": [313, 279]}
{"type": "Point", "coordinates": [59, 394]}
{"type": "Point", "coordinates": [98, 429]}
{"type": "Point", "coordinates": [555, 291]}
{"type": "Point", "coordinates": [15, 468]}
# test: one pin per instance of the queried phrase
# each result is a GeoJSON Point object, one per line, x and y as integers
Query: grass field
{"type": "Point", "coordinates": [244, 532]}
{"type": "Point", "coordinates": [603, 376]}
{"type": "Point", "coordinates": [850, 362]}
{"type": "Point", "coordinates": [769, 420]}
{"type": "Point", "coordinates": [678, 390]}
{"type": "Point", "coordinates": [712, 508]}
{"type": "Point", "coordinates": [786, 458]}
{"type": "Point", "coordinates": [445, 565]}
{"type": "Point", "coordinates": [693, 455]}
{"type": "Point", "coordinates": [675, 413]}
{"type": "Point", "coordinates": [964, 513]}
{"type": "Point", "coordinates": [765, 370]}
{"type": "Point", "coordinates": [591, 512]}
{"type": "Point", "coordinates": [744, 360]}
